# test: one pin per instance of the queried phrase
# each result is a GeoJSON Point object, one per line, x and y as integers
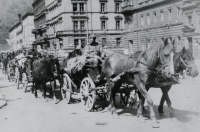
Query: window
{"type": "Point", "coordinates": [178, 13]}
{"type": "Point", "coordinates": [82, 25]}
{"type": "Point", "coordinates": [117, 7]}
{"type": "Point", "coordinates": [118, 24]}
{"type": "Point", "coordinates": [161, 17]}
{"type": "Point", "coordinates": [169, 15]}
{"type": "Point", "coordinates": [82, 43]}
{"type": "Point", "coordinates": [75, 7]}
{"type": "Point", "coordinates": [103, 7]}
{"type": "Point", "coordinates": [103, 25]}
{"type": "Point", "coordinates": [142, 20]}
{"type": "Point", "coordinates": [148, 19]}
{"type": "Point", "coordinates": [75, 43]}
{"type": "Point", "coordinates": [118, 40]}
{"type": "Point", "coordinates": [81, 7]}
{"type": "Point", "coordinates": [189, 19]}
{"type": "Point", "coordinates": [75, 25]}
{"type": "Point", "coordinates": [154, 18]}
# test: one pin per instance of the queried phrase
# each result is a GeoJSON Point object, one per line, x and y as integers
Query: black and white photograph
{"type": "Point", "coordinates": [99, 65]}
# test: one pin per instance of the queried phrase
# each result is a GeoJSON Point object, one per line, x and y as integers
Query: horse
{"type": "Point", "coordinates": [27, 71]}
{"type": "Point", "coordinates": [117, 69]}
{"type": "Point", "coordinates": [183, 60]}
{"type": "Point", "coordinates": [45, 70]}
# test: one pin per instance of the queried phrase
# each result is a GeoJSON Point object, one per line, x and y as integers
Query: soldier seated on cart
{"type": "Point", "coordinates": [94, 53]}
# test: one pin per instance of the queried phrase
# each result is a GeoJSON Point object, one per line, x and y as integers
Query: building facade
{"type": "Point", "coordinates": [149, 22]}
{"type": "Point", "coordinates": [21, 33]}
{"type": "Point", "coordinates": [71, 22]}
{"type": "Point", "coordinates": [40, 23]}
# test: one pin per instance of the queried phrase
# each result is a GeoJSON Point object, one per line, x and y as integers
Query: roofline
{"type": "Point", "coordinates": [29, 13]}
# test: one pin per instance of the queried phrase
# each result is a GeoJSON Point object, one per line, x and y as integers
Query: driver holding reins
{"type": "Point", "coordinates": [94, 53]}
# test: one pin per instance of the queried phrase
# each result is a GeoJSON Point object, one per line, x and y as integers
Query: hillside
{"type": "Point", "coordinates": [9, 15]}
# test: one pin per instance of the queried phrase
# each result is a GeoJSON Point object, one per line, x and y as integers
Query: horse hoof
{"type": "Point", "coordinates": [54, 98]}
{"type": "Point", "coordinates": [174, 119]}
{"type": "Point", "coordinates": [115, 116]}
{"type": "Point", "coordinates": [141, 119]}
{"type": "Point", "coordinates": [109, 109]}
{"type": "Point", "coordinates": [155, 124]}
{"type": "Point", "coordinates": [162, 114]}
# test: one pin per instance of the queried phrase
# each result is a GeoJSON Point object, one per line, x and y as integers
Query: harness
{"type": "Point", "coordinates": [186, 66]}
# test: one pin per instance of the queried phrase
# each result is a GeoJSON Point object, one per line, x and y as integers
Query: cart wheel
{"type": "Point", "coordinates": [88, 96]}
{"type": "Point", "coordinates": [66, 90]}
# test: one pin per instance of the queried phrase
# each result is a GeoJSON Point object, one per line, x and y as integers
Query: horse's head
{"type": "Point", "coordinates": [55, 67]}
{"type": "Point", "coordinates": [166, 54]}
{"type": "Point", "coordinates": [187, 62]}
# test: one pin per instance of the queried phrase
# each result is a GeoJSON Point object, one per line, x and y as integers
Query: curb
{"type": "Point", "coordinates": [2, 101]}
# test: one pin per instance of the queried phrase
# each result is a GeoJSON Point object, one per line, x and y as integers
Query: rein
{"type": "Point", "coordinates": [138, 61]}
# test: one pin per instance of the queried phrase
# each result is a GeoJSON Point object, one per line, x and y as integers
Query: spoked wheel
{"type": "Point", "coordinates": [88, 96]}
{"type": "Point", "coordinates": [67, 90]}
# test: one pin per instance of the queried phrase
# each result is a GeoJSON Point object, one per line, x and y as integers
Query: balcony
{"type": "Point", "coordinates": [127, 6]}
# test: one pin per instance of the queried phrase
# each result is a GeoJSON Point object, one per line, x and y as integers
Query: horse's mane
{"type": "Point", "coordinates": [152, 52]}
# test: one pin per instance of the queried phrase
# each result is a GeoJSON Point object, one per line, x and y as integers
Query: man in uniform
{"type": "Point", "coordinates": [94, 53]}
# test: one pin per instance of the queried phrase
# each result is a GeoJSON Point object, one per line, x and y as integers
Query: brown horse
{"type": "Point", "coordinates": [183, 60]}
{"type": "Point", "coordinates": [145, 63]}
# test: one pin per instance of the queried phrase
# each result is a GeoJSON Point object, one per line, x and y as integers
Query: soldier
{"type": "Point", "coordinates": [94, 53]}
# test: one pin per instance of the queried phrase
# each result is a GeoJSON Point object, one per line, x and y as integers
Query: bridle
{"type": "Point", "coordinates": [186, 66]}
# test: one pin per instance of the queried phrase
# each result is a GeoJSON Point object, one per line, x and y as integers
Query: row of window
{"type": "Point", "coordinates": [80, 7]}
{"type": "Point", "coordinates": [161, 17]}
{"type": "Point", "coordinates": [103, 25]}
{"type": "Point", "coordinates": [82, 42]}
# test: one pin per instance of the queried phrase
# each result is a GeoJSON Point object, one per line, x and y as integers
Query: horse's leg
{"type": "Point", "coordinates": [53, 85]}
{"type": "Point", "coordinates": [141, 108]}
{"type": "Point", "coordinates": [114, 88]}
{"type": "Point", "coordinates": [165, 96]}
{"type": "Point", "coordinates": [61, 83]}
{"type": "Point", "coordinates": [44, 88]}
{"type": "Point", "coordinates": [35, 88]}
{"type": "Point", "coordinates": [18, 80]}
{"type": "Point", "coordinates": [25, 85]}
{"type": "Point", "coordinates": [141, 87]}
{"type": "Point", "coordinates": [160, 107]}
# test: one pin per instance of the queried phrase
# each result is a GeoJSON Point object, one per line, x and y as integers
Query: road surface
{"type": "Point", "coordinates": [25, 113]}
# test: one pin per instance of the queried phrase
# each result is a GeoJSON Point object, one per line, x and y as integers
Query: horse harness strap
{"type": "Point", "coordinates": [186, 66]}
{"type": "Point", "coordinates": [137, 61]}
